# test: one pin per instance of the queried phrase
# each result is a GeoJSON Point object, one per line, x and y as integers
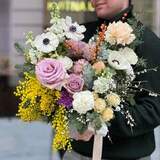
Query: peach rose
{"type": "Point", "coordinates": [98, 66]}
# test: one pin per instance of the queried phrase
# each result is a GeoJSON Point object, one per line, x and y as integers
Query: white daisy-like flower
{"type": "Point", "coordinates": [101, 85]}
{"type": "Point", "coordinates": [46, 42]}
{"type": "Point", "coordinates": [73, 30]}
{"type": "Point", "coordinates": [129, 54]}
{"type": "Point", "coordinates": [119, 33]}
{"type": "Point", "coordinates": [83, 101]}
{"type": "Point", "coordinates": [66, 61]}
{"type": "Point", "coordinates": [117, 61]}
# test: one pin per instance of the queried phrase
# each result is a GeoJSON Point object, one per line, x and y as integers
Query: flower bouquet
{"type": "Point", "coordinates": [78, 86]}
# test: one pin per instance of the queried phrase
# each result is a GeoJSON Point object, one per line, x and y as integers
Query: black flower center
{"type": "Point", "coordinates": [73, 29]}
{"type": "Point", "coordinates": [115, 61]}
{"type": "Point", "coordinates": [46, 41]}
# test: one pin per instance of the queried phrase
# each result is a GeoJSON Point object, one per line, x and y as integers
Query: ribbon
{"type": "Point", "coordinates": [97, 147]}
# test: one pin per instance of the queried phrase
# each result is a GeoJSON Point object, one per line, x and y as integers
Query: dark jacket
{"type": "Point", "coordinates": [127, 144]}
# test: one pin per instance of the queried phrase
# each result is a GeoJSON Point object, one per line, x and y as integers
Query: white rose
{"type": "Point", "coordinates": [83, 101]}
{"type": "Point", "coordinates": [66, 61]}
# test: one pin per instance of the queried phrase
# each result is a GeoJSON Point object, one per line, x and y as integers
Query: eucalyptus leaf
{"type": "Point", "coordinates": [88, 75]}
{"type": "Point", "coordinates": [19, 48]}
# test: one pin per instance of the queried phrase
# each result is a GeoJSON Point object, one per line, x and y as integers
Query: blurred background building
{"type": "Point", "coordinates": [20, 16]}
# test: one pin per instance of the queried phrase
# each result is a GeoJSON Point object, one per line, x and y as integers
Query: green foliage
{"type": "Point", "coordinates": [108, 72]}
{"type": "Point", "coordinates": [138, 29]}
{"type": "Point", "coordinates": [88, 75]}
{"type": "Point", "coordinates": [26, 67]}
{"type": "Point", "coordinates": [131, 99]}
{"type": "Point", "coordinates": [94, 118]}
{"type": "Point", "coordinates": [29, 38]}
{"type": "Point", "coordinates": [103, 54]}
{"type": "Point", "coordinates": [54, 10]}
{"type": "Point", "coordinates": [77, 121]}
{"type": "Point", "coordinates": [19, 48]}
{"type": "Point", "coordinates": [142, 62]}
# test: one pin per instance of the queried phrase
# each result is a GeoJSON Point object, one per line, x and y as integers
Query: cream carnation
{"type": "Point", "coordinates": [83, 101]}
{"type": "Point", "coordinates": [113, 99]}
{"type": "Point", "coordinates": [119, 33]}
{"type": "Point", "coordinates": [107, 114]}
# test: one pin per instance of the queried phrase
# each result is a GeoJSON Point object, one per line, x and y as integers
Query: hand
{"type": "Point", "coordinates": [86, 136]}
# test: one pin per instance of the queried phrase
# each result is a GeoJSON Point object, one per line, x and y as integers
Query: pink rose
{"type": "Point", "coordinates": [74, 83]}
{"type": "Point", "coordinates": [79, 66]}
{"type": "Point", "coordinates": [51, 73]}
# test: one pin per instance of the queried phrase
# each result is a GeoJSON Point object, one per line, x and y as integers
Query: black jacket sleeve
{"type": "Point", "coordinates": [146, 112]}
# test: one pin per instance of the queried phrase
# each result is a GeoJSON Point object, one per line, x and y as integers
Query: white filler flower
{"type": "Point", "coordinates": [83, 101]}
{"type": "Point", "coordinates": [73, 30]}
{"type": "Point", "coordinates": [46, 42]}
{"type": "Point", "coordinates": [101, 85]}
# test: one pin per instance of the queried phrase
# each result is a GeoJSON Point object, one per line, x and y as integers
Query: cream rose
{"type": "Point", "coordinates": [113, 99]}
{"type": "Point", "coordinates": [107, 114]}
{"type": "Point", "coordinates": [99, 105]}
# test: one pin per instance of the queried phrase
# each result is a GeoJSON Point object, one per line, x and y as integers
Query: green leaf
{"type": "Point", "coordinates": [142, 62]}
{"type": "Point", "coordinates": [75, 123]}
{"type": "Point", "coordinates": [19, 48]}
{"type": "Point", "coordinates": [131, 100]}
{"type": "Point", "coordinates": [95, 120]}
{"type": "Point", "coordinates": [88, 75]}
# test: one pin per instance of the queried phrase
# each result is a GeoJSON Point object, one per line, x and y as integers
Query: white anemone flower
{"type": "Point", "coordinates": [130, 55]}
{"type": "Point", "coordinates": [46, 42]}
{"type": "Point", "coordinates": [117, 61]}
{"type": "Point", "coordinates": [73, 31]}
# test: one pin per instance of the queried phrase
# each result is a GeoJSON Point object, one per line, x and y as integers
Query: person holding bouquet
{"type": "Point", "coordinates": [126, 144]}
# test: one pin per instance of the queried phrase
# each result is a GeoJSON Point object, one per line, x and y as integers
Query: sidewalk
{"type": "Point", "coordinates": [25, 141]}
